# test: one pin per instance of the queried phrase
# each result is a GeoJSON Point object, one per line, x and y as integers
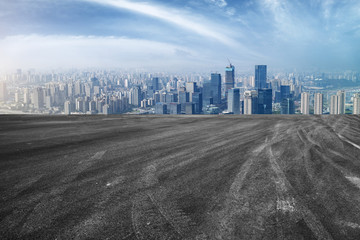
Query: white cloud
{"type": "Point", "coordinates": [289, 25]}
{"type": "Point", "coordinates": [327, 5]}
{"type": "Point", "coordinates": [219, 3]}
{"type": "Point", "coordinates": [230, 11]}
{"type": "Point", "coordinates": [173, 16]}
{"type": "Point", "coordinates": [55, 51]}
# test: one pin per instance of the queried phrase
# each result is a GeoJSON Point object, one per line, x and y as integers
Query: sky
{"type": "Point", "coordinates": [180, 35]}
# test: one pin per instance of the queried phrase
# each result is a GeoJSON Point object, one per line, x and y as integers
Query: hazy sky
{"type": "Point", "coordinates": [180, 35]}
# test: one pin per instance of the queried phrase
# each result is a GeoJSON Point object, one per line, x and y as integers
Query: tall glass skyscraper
{"type": "Point", "coordinates": [229, 77]}
{"type": "Point", "coordinates": [287, 106]}
{"type": "Point", "coordinates": [265, 101]}
{"type": "Point", "coordinates": [234, 100]}
{"type": "Point", "coordinates": [207, 93]}
{"type": "Point", "coordinates": [216, 87]}
{"type": "Point", "coordinates": [260, 76]}
{"type": "Point", "coordinates": [155, 83]}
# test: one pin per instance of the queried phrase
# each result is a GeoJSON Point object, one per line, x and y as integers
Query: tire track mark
{"type": "Point", "coordinates": [237, 203]}
{"type": "Point", "coordinates": [46, 208]}
{"type": "Point", "coordinates": [154, 218]}
{"type": "Point", "coordinates": [294, 204]}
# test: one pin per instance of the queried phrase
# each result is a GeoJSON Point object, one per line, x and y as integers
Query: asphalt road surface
{"type": "Point", "coordinates": [181, 177]}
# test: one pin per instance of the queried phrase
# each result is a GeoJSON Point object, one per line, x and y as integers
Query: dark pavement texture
{"type": "Point", "coordinates": [180, 177]}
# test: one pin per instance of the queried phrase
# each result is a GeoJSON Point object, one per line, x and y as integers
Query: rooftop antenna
{"type": "Point", "coordinates": [229, 61]}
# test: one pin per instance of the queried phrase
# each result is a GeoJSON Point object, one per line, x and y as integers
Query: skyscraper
{"type": "Point", "coordinates": [250, 102]}
{"type": "Point", "coordinates": [38, 98]}
{"type": "Point", "coordinates": [356, 106]}
{"type": "Point", "coordinates": [247, 103]}
{"type": "Point", "coordinates": [155, 83]}
{"type": "Point", "coordinates": [26, 96]}
{"type": "Point", "coordinates": [197, 100]}
{"type": "Point", "coordinates": [260, 76]}
{"type": "Point", "coordinates": [216, 87]}
{"type": "Point", "coordinates": [305, 98]}
{"type": "Point", "coordinates": [212, 90]}
{"type": "Point", "coordinates": [78, 88]}
{"type": "Point", "coordinates": [136, 96]}
{"type": "Point", "coordinates": [265, 101]}
{"type": "Point", "coordinates": [174, 108]}
{"type": "Point", "coordinates": [334, 104]}
{"type": "Point", "coordinates": [284, 92]}
{"type": "Point", "coordinates": [318, 103]}
{"type": "Point", "coordinates": [337, 104]}
{"type": "Point", "coordinates": [341, 102]}
{"type": "Point", "coordinates": [160, 108]}
{"type": "Point", "coordinates": [67, 108]}
{"type": "Point", "coordinates": [107, 110]}
{"type": "Point", "coordinates": [191, 88]}
{"type": "Point", "coordinates": [183, 98]}
{"type": "Point", "coordinates": [234, 100]}
{"type": "Point", "coordinates": [229, 77]}
{"type": "Point", "coordinates": [189, 108]}
{"type": "Point", "coordinates": [3, 91]}
{"type": "Point", "coordinates": [207, 93]}
{"type": "Point", "coordinates": [287, 106]}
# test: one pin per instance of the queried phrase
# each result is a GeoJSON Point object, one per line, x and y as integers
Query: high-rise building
{"type": "Point", "coordinates": [174, 108]}
{"type": "Point", "coordinates": [26, 96]}
{"type": "Point", "coordinates": [136, 96]}
{"type": "Point", "coordinates": [171, 97]}
{"type": "Point", "coordinates": [48, 102]}
{"type": "Point", "coordinates": [334, 104]}
{"type": "Point", "coordinates": [285, 92]}
{"type": "Point", "coordinates": [337, 103]}
{"type": "Point", "coordinates": [191, 88]}
{"type": "Point", "coordinates": [260, 76]}
{"type": "Point", "coordinates": [341, 102]}
{"type": "Point", "coordinates": [189, 108]}
{"type": "Point", "coordinates": [207, 93]}
{"type": "Point", "coordinates": [67, 108]}
{"type": "Point", "coordinates": [212, 90]}
{"type": "Point", "coordinates": [38, 98]}
{"type": "Point", "coordinates": [216, 87]}
{"type": "Point", "coordinates": [155, 83]}
{"type": "Point", "coordinates": [305, 98]}
{"type": "Point", "coordinates": [160, 108]}
{"type": "Point", "coordinates": [234, 100]}
{"type": "Point", "coordinates": [287, 106]}
{"type": "Point", "coordinates": [79, 104]}
{"type": "Point", "coordinates": [247, 103]}
{"type": "Point", "coordinates": [265, 101]}
{"type": "Point", "coordinates": [3, 91]}
{"type": "Point", "coordinates": [356, 106]}
{"type": "Point", "coordinates": [229, 77]}
{"type": "Point", "coordinates": [197, 100]}
{"type": "Point", "coordinates": [250, 102]}
{"type": "Point", "coordinates": [107, 110]}
{"type": "Point", "coordinates": [17, 96]}
{"type": "Point", "coordinates": [183, 98]}
{"type": "Point", "coordinates": [78, 89]}
{"type": "Point", "coordinates": [318, 103]}
{"type": "Point", "coordinates": [92, 106]}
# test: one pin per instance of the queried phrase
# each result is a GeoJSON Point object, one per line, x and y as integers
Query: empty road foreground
{"type": "Point", "coordinates": [181, 177]}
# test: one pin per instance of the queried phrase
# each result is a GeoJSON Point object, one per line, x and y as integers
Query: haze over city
{"type": "Point", "coordinates": [180, 36]}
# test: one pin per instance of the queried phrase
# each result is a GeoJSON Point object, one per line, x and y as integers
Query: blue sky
{"type": "Point", "coordinates": [180, 35]}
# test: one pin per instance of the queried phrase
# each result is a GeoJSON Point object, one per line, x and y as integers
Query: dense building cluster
{"type": "Point", "coordinates": [114, 92]}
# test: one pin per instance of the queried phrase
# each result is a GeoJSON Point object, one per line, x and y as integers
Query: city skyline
{"type": "Point", "coordinates": [180, 35]}
{"type": "Point", "coordinates": [117, 92]}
